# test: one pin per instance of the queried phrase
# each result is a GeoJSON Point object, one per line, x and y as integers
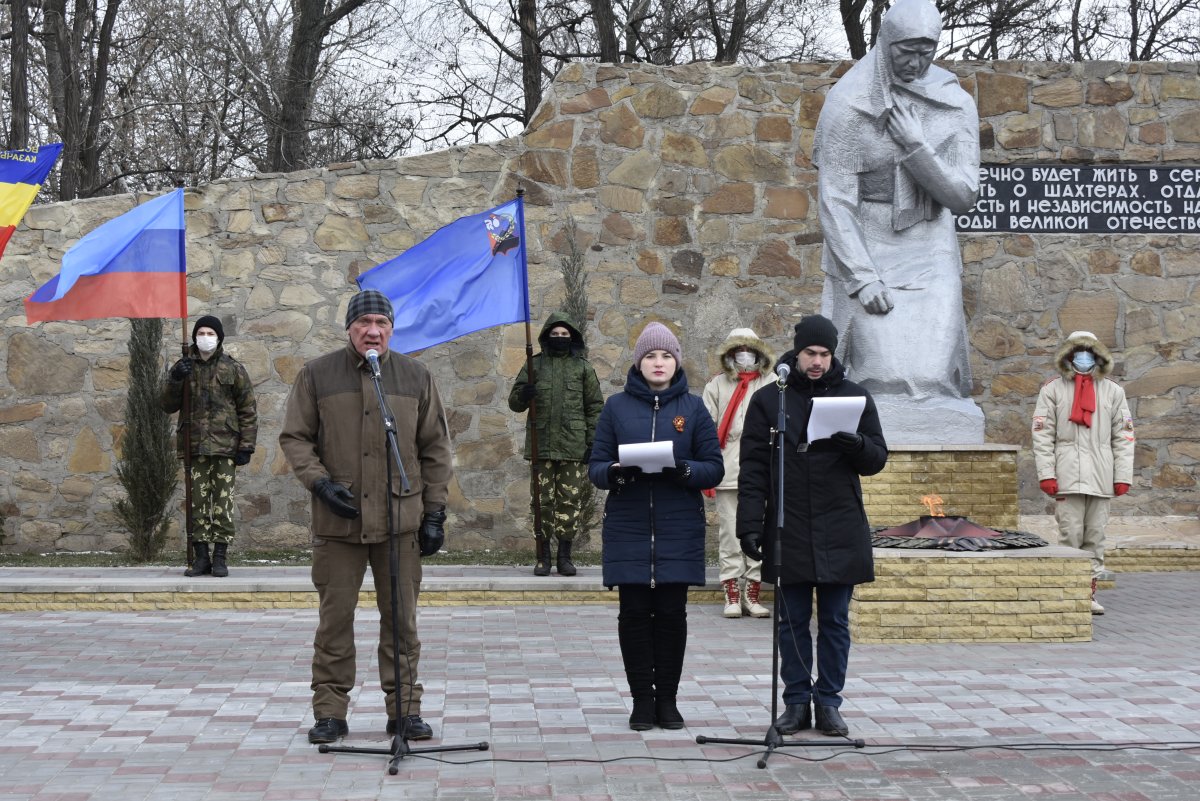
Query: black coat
{"type": "Point", "coordinates": [654, 527]}
{"type": "Point", "coordinates": [826, 537]}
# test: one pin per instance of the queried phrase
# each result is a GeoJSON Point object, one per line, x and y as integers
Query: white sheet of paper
{"type": "Point", "coordinates": [831, 415]}
{"type": "Point", "coordinates": [652, 457]}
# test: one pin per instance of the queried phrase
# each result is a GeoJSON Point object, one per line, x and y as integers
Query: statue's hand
{"type": "Point", "coordinates": [904, 126]}
{"type": "Point", "coordinates": [875, 298]}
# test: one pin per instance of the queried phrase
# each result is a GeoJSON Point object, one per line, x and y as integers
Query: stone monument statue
{"type": "Point", "coordinates": [897, 148]}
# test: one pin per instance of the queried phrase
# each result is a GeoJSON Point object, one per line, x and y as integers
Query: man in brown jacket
{"type": "Point", "coordinates": [336, 445]}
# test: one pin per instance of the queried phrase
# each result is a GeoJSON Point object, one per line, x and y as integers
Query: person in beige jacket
{"type": "Point", "coordinates": [1083, 444]}
{"type": "Point", "coordinates": [745, 368]}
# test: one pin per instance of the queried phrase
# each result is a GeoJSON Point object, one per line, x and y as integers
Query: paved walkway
{"type": "Point", "coordinates": [214, 705]}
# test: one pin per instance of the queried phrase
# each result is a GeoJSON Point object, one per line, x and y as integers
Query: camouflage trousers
{"type": "Point", "coordinates": [212, 499]}
{"type": "Point", "coordinates": [559, 486]}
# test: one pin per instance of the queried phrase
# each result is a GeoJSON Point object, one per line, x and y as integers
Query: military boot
{"type": "Point", "coordinates": [219, 568]}
{"type": "Point", "coordinates": [201, 564]}
{"type": "Point", "coordinates": [563, 563]}
{"type": "Point", "coordinates": [542, 568]}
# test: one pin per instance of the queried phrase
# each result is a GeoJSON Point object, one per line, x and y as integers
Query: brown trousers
{"type": "Point", "coordinates": [337, 572]}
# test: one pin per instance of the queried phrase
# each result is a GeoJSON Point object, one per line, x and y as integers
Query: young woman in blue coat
{"type": "Point", "coordinates": [654, 522]}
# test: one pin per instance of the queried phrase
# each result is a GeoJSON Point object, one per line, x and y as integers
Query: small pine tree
{"type": "Point", "coordinates": [147, 468]}
{"type": "Point", "coordinates": [575, 306]}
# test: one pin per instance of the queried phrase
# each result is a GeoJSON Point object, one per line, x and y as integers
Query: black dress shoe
{"type": "Point", "coordinates": [417, 728]}
{"type": "Point", "coordinates": [829, 722]}
{"type": "Point", "coordinates": [328, 730]}
{"type": "Point", "coordinates": [795, 717]}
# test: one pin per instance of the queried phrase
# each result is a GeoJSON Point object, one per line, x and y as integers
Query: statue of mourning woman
{"type": "Point", "coordinates": [897, 149]}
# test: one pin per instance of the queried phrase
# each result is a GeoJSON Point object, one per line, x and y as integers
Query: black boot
{"type": "Point", "coordinates": [670, 640]}
{"type": "Point", "coordinates": [563, 563]}
{"type": "Point", "coordinates": [219, 569]}
{"type": "Point", "coordinates": [201, 564]}
{"type": "Point", "coordinates": [542, 568]}
{"type": "Point", "coordinates": [634, 632]}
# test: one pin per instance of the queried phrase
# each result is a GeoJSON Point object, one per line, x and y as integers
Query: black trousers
{"type": "Point", "coordinates": [652, 629]}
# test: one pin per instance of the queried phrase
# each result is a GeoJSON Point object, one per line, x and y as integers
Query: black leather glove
{"type": "Point", "coordinates": [620, 476]}
{"type": "Point", "coordinates": [528, 393]}
{"type": "Point", "coordinates": [752, 545]}
{"type": "Point", "coordinates": [242, 458]}
{"type": "Point", "coordinates": [432, 534]}
{"type": "Point", "coordinates": [181, 369]}
{"type": "Point", "coordinates": [848, 441]}
{"type": "Point", "coordinates": [336, 497]}
{"type": "Point", "coordinates": [680, 473]}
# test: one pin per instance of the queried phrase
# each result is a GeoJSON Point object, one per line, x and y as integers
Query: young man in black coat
{"type": "Point", "coordinates": [826, 542]}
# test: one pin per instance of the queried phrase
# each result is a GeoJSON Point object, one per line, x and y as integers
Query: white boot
{"type": "Point", "coordinates": [750, 603]}
{"type": "Point", "coordinates": [1097, 609]}
{"type": "Point", "coordinates": [732, 607]}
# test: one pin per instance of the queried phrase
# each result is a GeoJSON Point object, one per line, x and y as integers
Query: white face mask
{"type": "Point", "coordinates": [745, 359]}
{"type": "Point", "coordinates": [206, 343]}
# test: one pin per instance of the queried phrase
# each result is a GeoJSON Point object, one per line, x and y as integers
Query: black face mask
{"type": "Point", "coordinates": [559, 344]}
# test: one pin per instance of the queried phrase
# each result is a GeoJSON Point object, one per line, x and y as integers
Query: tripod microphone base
{"type": "Point", "coordinates": [399, 750]}
{"type": "Point", "coordinates": [774, 740]}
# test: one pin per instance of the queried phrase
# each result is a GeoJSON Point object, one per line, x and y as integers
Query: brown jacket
{"type": "Point", "coordinates": [332, 429]}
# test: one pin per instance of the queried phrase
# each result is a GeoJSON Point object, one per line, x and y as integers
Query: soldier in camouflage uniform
{"type": "Point", "coordinates": [567, 407]}
{"type": "Point", "coordinates": [224, 427]}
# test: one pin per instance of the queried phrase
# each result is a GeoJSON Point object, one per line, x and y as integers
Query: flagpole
{"type": "Point", "coordinates": [531, 420]}
{"type": "Point", "coordinates": [185, 411]}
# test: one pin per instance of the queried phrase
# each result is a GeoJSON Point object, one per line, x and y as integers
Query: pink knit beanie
{"type": "Point", "coordinates": [656, 336]}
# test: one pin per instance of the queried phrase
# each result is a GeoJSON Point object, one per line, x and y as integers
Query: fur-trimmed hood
{"type": "Point", "coordinates": [745, 337]}
{"type": "Point", "coordinates": [1080, 340]}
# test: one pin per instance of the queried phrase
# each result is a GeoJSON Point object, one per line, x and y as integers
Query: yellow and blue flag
{"type": "Point", "coordinates": [22, 173]}
{"type": "Point", "coordinates": [466, 276]}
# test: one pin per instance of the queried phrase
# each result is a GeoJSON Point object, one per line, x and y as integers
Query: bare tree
{"type": "Point", "coordinates": [18, 78]}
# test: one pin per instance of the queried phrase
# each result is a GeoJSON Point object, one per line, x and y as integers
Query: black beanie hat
{"type": "Point", "coordinates": [208, 321]}
{"type": "Point", "coordinates": [815, 330]}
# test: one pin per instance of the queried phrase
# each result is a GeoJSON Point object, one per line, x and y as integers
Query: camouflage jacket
{"type": "Point", "coordinates": [223, 411]}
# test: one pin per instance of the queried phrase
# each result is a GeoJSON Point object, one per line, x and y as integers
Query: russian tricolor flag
{"type": "Point", "coordinates": [133, 266]}
{"type": "Point", "coordinates": [22, 173]}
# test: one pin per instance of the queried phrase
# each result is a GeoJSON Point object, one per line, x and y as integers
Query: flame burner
{"type": "Point", "coordinates": [952, 533]}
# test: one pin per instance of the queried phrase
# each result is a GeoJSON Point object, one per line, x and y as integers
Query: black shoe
{"type": "Point", "coordinates": [667, 713]}
{"type": "Point", "coordinates": [642, 718]}
{"type": "Point", "coordinates": [829, 722]}
{"type": "Point", "coordinates": [328, 730]}
{"type": "Point", "coordinates": [417, 728]}
{"type": "Point", "coordinates": [562, 562]}
{"type": "Point", "coordinates": [219, 569]}
{"type": "Point", "coordinates": [201, 564]}
{"type": "Point", "coordinates": [542, 567]}
{"type": "Point", "coordinates": [795, 717]}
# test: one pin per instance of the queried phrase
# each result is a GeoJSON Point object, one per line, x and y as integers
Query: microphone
{"type": "Point", "coordinates": [372, 357]}
{"type": "Point", "coordinates": [783, 371]}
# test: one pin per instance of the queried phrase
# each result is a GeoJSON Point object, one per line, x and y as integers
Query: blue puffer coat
{"type": "Point", "coordinates": [654, 526]}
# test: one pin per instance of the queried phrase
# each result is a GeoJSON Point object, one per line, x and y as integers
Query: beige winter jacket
{"type": "Point", "coordinates": [719, 391]}
{"type": "Point", "coordinates": [332, 428]}
{"type": "Point", "coordinates": [1083, 460]}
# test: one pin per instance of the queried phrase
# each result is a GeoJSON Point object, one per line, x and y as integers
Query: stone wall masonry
{"type": "Point", "coordinates": [694, 197]}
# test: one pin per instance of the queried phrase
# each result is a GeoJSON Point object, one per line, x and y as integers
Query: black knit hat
{"type": "Point", "coordinates": [369, 301]}
{"type": "Point", "coordinates": [208, 321]}
{"type": "Point", "coordinates": [815, 330]}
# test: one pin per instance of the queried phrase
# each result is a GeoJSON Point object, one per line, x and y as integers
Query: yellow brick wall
{"type": "Point", "coordinates": [979, 484]}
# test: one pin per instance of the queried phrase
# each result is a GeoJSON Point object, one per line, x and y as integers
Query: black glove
{"type": "Point", "coordinates": [848, 441]}
{"type": "Point", "coordinates": [680, 473]}
{"type": "Point", "coordinates": [432, 533]}
{"type": "Point", "coordinates": [181, 369]}
{"type": "Point", "coordinates": [620, 476]}
{"type": "Point", "coordinates": [528, 393]}
{"type": "Point", "coordinates": [242, 458]}
{"type": "Point", "coordinates": [752, 545]}
{"type": "Point", "coordinates": [336, 497]}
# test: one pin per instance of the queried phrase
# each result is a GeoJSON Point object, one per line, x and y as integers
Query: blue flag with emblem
{"type": "Point", "coordinates": [467, 276]}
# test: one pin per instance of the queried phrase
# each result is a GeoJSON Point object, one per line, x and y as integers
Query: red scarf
{"type": "Point", "coordinates": [1085, 400]}
{"type": "Point", "coordinates": [735, 401]}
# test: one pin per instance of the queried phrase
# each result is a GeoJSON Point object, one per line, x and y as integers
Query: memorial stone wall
{"type": "Point", "coordinates": [694, 200]}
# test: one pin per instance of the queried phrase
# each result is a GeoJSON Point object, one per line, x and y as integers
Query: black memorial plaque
{"type": "Point", "coordinates": [1091, 199]}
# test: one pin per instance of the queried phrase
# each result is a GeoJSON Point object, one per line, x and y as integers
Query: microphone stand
{"type": "Point", "coordinates": [399, 748]}
{"type": "Point", "coordinates": [773, 739]}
